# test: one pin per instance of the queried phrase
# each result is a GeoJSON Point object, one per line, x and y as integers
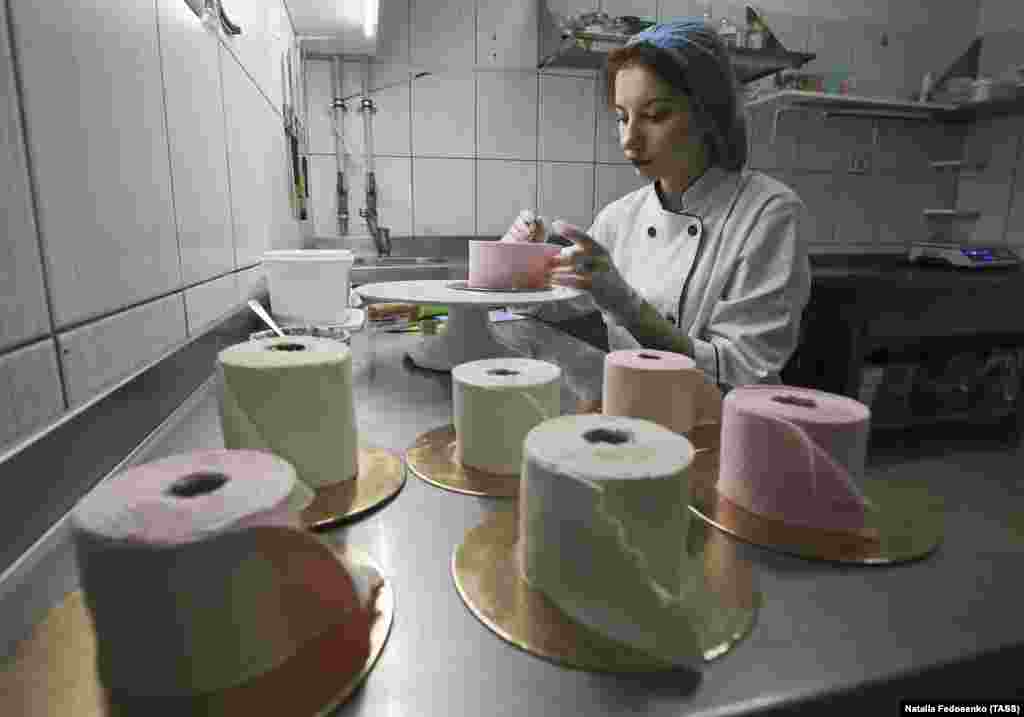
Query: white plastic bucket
{"type": "Point", "coordinates": [309, 286]}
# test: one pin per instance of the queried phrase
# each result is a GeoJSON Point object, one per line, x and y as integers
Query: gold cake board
{"type": "Point", "coordinates": [432, 459]}
{"type": "Point", "coordinates": [905, 524]}
{"type": "Point", "coordinates": [487, 577]}
{"type": "Point", "coordinates": [380, 478]}
{"type": "Point", "coordinates": [53, 672]}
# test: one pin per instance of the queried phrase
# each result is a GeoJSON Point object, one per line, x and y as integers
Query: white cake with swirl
{"type": "Point", "coordinates": [604, 520]}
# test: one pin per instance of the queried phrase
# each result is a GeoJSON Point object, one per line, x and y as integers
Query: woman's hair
{"type": "Point", "coordinates": [696, 65]}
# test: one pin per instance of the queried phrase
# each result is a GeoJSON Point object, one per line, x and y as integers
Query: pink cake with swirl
{"type": "Point", "coordinates": [795, 455]}
{"type": "Point", "coordinates": [509, 264]}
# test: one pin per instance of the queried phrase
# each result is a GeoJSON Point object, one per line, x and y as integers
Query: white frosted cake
{"type": "Point", "coordinates": [604, 518]}
{"type": "Point", "coordinates": [496, 402]}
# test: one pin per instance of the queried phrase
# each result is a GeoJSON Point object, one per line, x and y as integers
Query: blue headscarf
{"type": "Point", "coordinates": [703, 61]}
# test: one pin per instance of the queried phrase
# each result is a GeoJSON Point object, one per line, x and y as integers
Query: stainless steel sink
{"type": "Point", "coordinates": [372, 269]}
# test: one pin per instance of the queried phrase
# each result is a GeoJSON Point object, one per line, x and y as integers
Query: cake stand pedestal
{"type": "Point", "coordinates": [467, 335]}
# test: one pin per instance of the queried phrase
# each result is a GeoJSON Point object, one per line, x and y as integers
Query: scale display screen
{"type": "Point", "coordinates": [977, 254]}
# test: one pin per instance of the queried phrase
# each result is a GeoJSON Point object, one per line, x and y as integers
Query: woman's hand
{"type": "Point", "coordinates": [526, 227]}
{"type": "Point", "coordinates": [587, 265]}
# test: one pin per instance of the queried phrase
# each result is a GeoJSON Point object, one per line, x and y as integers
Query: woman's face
{"type": "Point", "coordinates": [656, 129]}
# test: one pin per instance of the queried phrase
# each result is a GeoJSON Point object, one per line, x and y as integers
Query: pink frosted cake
{"type": "Point", "coordinates": [509, 264]}
{"type": "Point", "coordinates": [795, 455]}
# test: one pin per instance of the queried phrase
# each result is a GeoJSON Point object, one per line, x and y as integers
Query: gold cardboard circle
{"type": "Point", "coordinates": [432, 459]}
{"type": "Point", "coordinates": [907, 525]}
{"type": "Point", "coordinates": [53, 672]}
{"type": "Point", "coordinates": [381, 476]}
{"type": "Point", "coordinates": [487, 579]}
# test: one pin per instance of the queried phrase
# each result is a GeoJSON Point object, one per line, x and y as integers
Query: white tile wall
{"type": "Point", "coordinates": [897, 202]}
{"type": "Point", "coordinates": [319, 115]}
{"type": "Point", "coordinates": [640, 8]}
{"type": "Point", "coordinates": [118, 103]}
{"type": "Point", "coordinates": [207, 302]}
{"type": "Point", "coordinates": [258, 169]}
{"type": "Point", "coordinates": [266, 33]}
{"type": "Point", "coordinates": [394, 195]}
{"type": "Point", "coordinates": [392, 63]}
{"type": "Point", "coordinates": [23, 312]}
{"type": "Point", "coordinates": [671, 9]}
{"type": "Point", "coordinates": [506, 34]}
{"type": "Point", "coordinates": [98, 354]}
{"type": "Point", "coordinates": [612, 182]}
{"type": "Point", "coordinates": [195, 123]}
{"type": "Point", "coordinates": [567, 123]}
{"type": "Point", "coordinates": [1015, 220]}
{"type": "Point", "coordinates": [768, 152]}
{"type": "Point", "coordinates": [503, 189]}
{"type": "Point", "coordinates": [995, 142]}
{"type": "Point", "coordinates": [30, 394]}
{"type": "Point", "coordinates": [322, 189]}
{"type": "Point", "coordinates": [566, 191]}
{"type": "Point", "coordinates": [853, 208]}
{"type": "Point", "coordinates": [507, 115]}
{"type": "Point", "coordinates": [391, 122]}
{"type": "Point", "coordinates": [819, 230]}
{"type": "Point", "coordinates": [988, 192]}
{"type": "Point", "coordinates": [251, 282]}
{"type": "Point", "coordinates": [443, 115]}
{"type": "Point", "coordinates": [443, 196]}
{"type": "Point", "coordinates": [443, 35]}
{"type": "Point", "coordinates": [609, 148]}
{"type": "Point", "coordinates": [103, 187]}
{"type": "Point", "coordinates": [829, 144]}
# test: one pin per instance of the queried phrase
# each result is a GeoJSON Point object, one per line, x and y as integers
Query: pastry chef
{"type": "Point", "coordinates": [706, 260]}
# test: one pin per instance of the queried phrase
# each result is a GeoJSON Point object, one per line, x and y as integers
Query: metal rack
{"type": "Point", "coordinates": [587, 51]}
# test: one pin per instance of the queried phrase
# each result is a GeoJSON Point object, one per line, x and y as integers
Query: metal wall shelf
{"type": "Point", "coordinates": [588, 50]}
{"type": "Point", "coordinates": [856, 105]}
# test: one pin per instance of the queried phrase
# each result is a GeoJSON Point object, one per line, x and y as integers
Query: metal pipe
{"type": "Point", "coordinates": [338, 110]}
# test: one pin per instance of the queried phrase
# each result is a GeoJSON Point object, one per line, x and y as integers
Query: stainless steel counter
{"type": "Point", "coordinates": [823, 629]}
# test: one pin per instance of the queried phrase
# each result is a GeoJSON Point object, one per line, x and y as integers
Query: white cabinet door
{"type": "Point", "coordinates": [195, 124]}
{"type": "Point", "coordinates": [22, 298]}
{"type": "Point", "coordinates": [94, 105]}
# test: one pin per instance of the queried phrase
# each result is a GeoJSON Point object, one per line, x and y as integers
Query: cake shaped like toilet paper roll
{"type": "Point", "coordinates": [659, 386]}
{"type": "Point", "coordinates": [292, 396]}
{"type": "Point", "coordinates": [495, 404]}
{"type": "Point", "coordinates": [795, 455]}
{"type": "Point", "coordinates": [198, 577]}
{"type": "Point", "coordinates": [604, 517]}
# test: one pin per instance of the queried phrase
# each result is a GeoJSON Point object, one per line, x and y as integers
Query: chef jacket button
{"type": "Point", "coordinates": [651, 232]}
{"type": "Point", "coordinates": [692, 229]}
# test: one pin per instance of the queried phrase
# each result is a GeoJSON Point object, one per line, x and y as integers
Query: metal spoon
{"type": "Point", "coordinates": [262, 313]}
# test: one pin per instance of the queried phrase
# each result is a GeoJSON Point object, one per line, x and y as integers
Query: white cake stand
{"type": "Point", "coordinates": [468, 335]}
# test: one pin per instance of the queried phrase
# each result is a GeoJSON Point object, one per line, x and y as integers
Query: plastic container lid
{"type": "Point", "coordinates": [289, 255]}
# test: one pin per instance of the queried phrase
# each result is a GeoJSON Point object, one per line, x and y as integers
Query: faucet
{"type": "Point", "coordinates": [381, 235]}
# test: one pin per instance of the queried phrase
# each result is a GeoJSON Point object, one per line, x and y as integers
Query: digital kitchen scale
{"type": "Point", "coordinates": [971, 257]}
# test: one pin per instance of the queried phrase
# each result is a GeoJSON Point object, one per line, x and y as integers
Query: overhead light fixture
{"type": "Point", "coordinates": [370, 10]}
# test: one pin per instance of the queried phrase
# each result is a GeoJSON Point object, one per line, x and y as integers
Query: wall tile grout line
{"type": "Point", "coordinates": [33, 194]}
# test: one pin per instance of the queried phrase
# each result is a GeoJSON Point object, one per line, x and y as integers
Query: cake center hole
{"type": "Point", "coordinates": [287, 347]}
{"type": "Point", "coordinates": [791, 400]}
{"type": "Point", "coordinates": [607, 435]}
{"type": "Point", "coordinates": [649, 356]}
{"type": "Point", "coordinates": [197, 484]}
{"type": "Point", "coordinates": [502, 372]}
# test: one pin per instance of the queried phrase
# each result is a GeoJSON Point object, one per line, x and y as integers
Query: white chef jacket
{"type": "Point", "coordinates": [738, 287]}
